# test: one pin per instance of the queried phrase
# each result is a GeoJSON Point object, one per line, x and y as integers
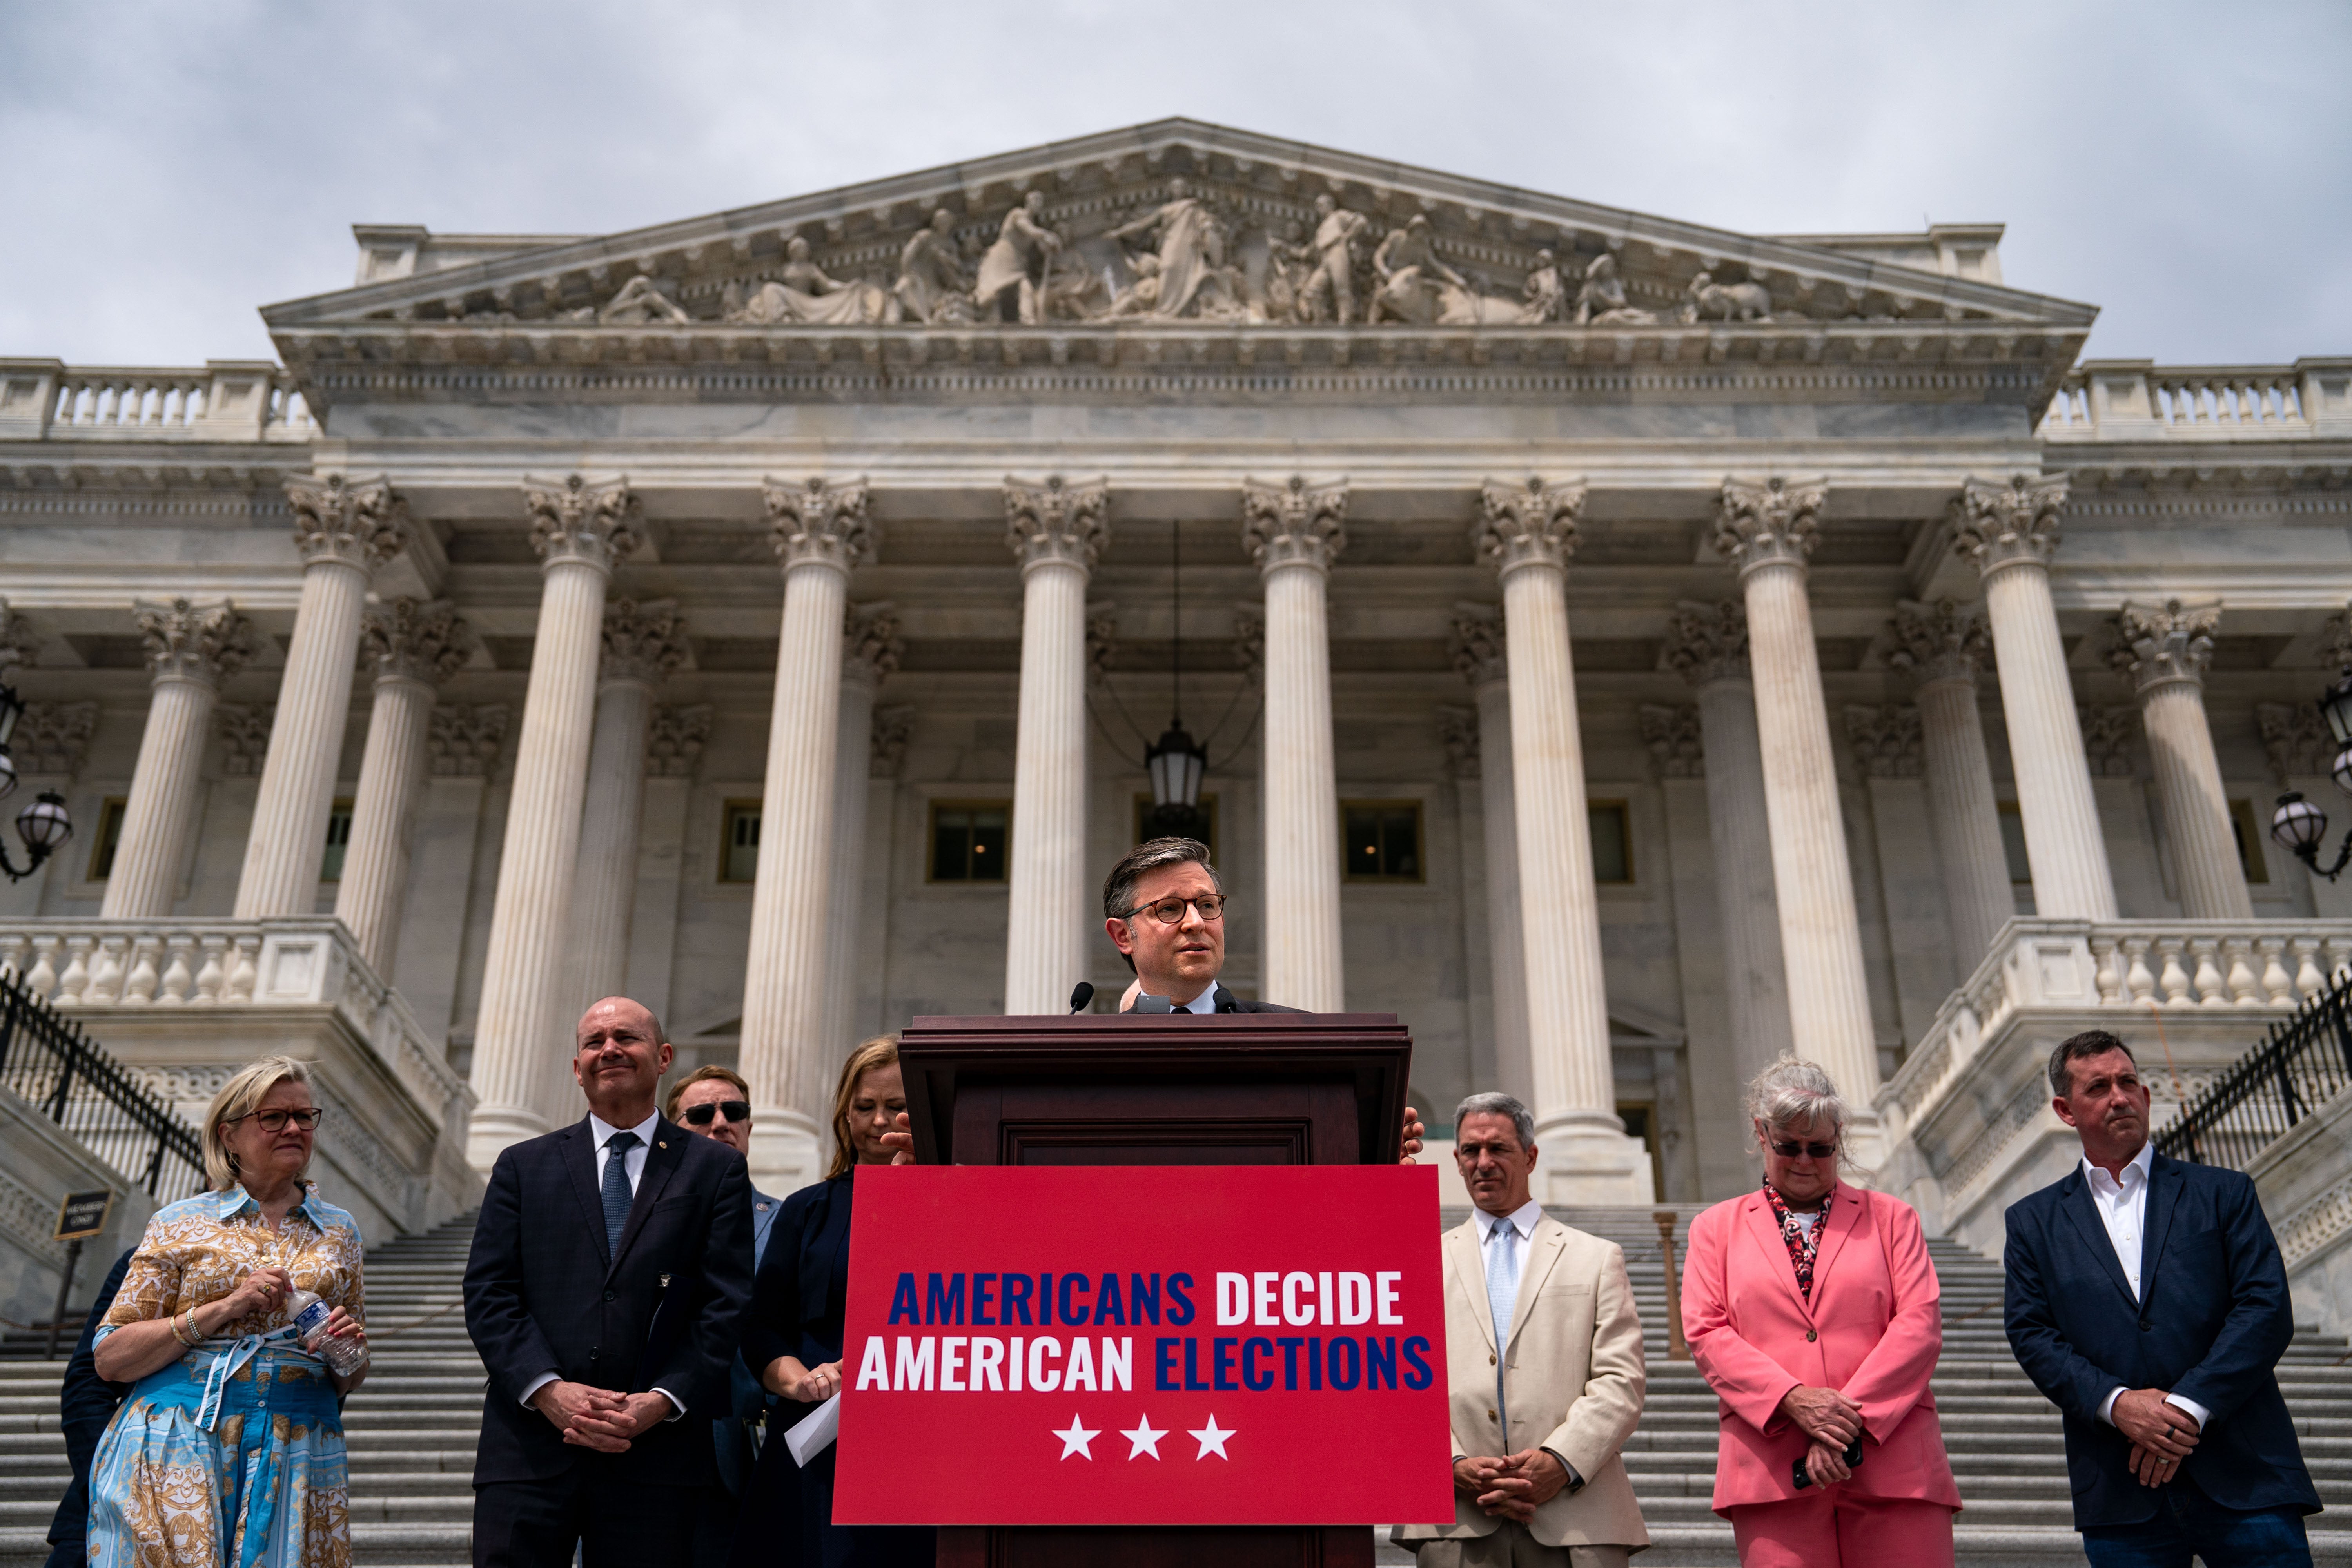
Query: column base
{"type": "Point", "coordinates": [786, 1154]}
{"type": "Point", "coordinates": [494, 1128]}
{"type": "Point", "coordinates": [1587, 1159]}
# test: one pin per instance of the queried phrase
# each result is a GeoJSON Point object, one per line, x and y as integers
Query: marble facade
{"type": "Point", "coordinates": [1796, 563]}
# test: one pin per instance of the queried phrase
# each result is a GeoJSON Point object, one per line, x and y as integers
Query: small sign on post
{"type": "Point", "coordinates": [79, 1216]}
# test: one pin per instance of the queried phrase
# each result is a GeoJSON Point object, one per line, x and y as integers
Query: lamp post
{"type": "Point", "coordinates": [44, 825]}
{"type": "Point", "coordinates": [1176, 761]}
{"type": "Point", "coordinates": [2299, 826]}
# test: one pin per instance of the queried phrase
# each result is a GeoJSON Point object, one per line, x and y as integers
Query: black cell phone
{"type": "Point", "coordinates": [1853, 1459]}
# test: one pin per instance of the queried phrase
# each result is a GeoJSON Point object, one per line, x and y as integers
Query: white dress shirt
{"type": "Point", "coordinates": [1207, 1002]}
{"type": "Point", "coordinates": [634, 1164]}
{"type": "Point", "coordinates": [2123, 1209]}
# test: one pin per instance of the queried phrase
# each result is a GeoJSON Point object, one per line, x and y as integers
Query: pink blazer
{"type": "Point", "coordinates": [1872, 1332]}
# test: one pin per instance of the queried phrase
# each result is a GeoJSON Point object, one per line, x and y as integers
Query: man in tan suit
{"type": "Point", "coordinates": [1543, 1356]}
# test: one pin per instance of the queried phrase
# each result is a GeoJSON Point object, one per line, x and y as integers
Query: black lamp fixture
{"type": "Point", "coordinates": [1176, 761]}
{"type": "Point", "coordinates": [2298, 825]}
{"type": "Point", "coordinates": [44, 825]}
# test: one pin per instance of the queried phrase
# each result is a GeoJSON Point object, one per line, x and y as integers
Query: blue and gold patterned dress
{"type": "Point", "coordinates": [231, 1456]}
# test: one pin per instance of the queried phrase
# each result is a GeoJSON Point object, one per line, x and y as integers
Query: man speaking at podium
{"type": "Point", "coordinates": [1164, 908]}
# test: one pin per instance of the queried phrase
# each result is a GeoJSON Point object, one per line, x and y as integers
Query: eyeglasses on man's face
{"type": "Point", "coordinates": [699, 1115]}
{"type": "Point", "coordinates": [275, 1119]}
{"type": "Point", "coordinates": [1171, 911]}
{"type": "Point", "coordinates": [1791, 1150]}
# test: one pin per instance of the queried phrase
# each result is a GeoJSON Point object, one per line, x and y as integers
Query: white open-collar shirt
{"type": "Point", "coordinates": [2122, 1203]}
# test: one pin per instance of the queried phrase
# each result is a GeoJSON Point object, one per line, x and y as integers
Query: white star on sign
{"type": "Point", "coordinates": [1076, 1439]}
{"type": "Point", "coordinates": [1211, 1440]}
{"type": "Point", "coordinates": [1145, 1440]}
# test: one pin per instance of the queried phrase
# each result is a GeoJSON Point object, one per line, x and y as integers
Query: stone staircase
{"type": "Point", "coordinates": [412, 1429]}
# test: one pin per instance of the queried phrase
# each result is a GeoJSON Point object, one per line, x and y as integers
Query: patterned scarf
{"type": "Point", "coordinates": [1802, 1242]}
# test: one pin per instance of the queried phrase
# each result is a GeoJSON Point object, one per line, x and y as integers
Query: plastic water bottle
{"type": "Point", "coordinates": [346, 1356]}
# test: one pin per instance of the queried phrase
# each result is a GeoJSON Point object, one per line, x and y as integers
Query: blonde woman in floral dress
{"type": "Point", "coordinates": [229, 1452]}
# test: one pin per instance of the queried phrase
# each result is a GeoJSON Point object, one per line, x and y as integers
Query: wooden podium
{"type": "Point", "coordinates": [1228, 1088]}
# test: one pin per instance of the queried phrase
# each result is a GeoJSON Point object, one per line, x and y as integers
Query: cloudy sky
{"type": "Point", "coordinates": [169, 166]}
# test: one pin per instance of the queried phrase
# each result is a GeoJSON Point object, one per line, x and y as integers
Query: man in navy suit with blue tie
{"type": "Point", "coordinates": [2148, 1300]}
{"type": "Point", "coordinates": [610, 1264]}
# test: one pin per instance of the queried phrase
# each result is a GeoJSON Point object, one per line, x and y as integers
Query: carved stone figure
{"type": "Point", "coordinates": [1189, 244]}
{"type": "Point", "coordinates": [1710, 301]}
{"type": "Point", "coordinates": [1422, 290]}
{"type": "Point", "coordinates": [1331, 283]}
{"type": "Point", "coordinates": [806, 295]}
{"type": "Point", "coordinates": [1141, 298]}
{"type": "Point", "coordinates": [1601, 299]}
{"type": "Point", "coordinates": [641, 302]}
{"type": "Point", "coordinates": [933, 284]}
{"type": "Point", "coordinates": [1012, 285]}
{"type": "Point", "coordinates": [1289, 276]}
{"type": "Point", "coordinates": [1544, 295]}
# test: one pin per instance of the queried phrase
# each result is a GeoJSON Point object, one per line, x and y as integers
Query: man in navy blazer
{"type": "Point", "coordinates": [610, 1264]}
{"type": "Point", "coordinates": [2148, 1300]}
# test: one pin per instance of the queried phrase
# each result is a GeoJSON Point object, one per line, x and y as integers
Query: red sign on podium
{"type": "Point", "coordinates": [1145, 1345]}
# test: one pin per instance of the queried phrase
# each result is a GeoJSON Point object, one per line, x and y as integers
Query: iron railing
{"type": "Point", "coordinates": [102, 1104]}
{"type": "Point", "coordinates": [2305, 1061]}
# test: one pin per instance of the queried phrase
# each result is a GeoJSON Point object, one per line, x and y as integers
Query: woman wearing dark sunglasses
{"type": "Point", "coordinates": [1813, 1307]}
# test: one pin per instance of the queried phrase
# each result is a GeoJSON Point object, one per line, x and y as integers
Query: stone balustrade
{"type": "Point", "coordinates": [186, 1001]}
{"type": "Point", "coordinates": [1968, 1118]}
{"type": "Point", "coordinates": [2136, 400]}
{"type": "Point", "coordinates": [222, 400]}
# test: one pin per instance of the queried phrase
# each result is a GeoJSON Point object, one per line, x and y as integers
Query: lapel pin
{"type": "Point", "coordinates": [661, 1143]}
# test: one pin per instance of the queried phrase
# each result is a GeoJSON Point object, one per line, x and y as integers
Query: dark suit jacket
{"type": "Point", "coordinates": [2211, 1322]}
{"type": "Point", "coordinates": [1229, 1002]}
{"type": "Point", "coordinates": [85, 1403]}
{"type": "Point", "coordinates": [542, 1296]}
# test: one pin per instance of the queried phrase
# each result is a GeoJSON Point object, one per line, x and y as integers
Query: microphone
{"type": "Point", "coordinates": [1080, 996]}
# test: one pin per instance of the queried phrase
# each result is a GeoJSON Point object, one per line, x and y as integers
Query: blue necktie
{"type": "Point", "coordinates": [617, 1195]}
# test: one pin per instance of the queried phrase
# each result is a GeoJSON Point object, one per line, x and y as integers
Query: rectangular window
{"type": "Point", "coordinates": [1612, 841]}
{"type": "Point", "coordinates": [1208, 808]}
{"type": "Point", "coordinates": [2247, 829]}
{"type": "Point", "coordinates": [339, 841]}
{"type": "Point", "coordinates": [969, 839]}
{"type": "Point", "coordinates": [738, 841]}
{"type": "Point", "coordinates": [2012, 844]}
{"type": "Point", "coordinates": [109, 836]}
{"type": "Point", "coordinates": [1383, 840]}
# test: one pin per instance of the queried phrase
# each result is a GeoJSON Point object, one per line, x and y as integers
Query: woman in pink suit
{"type": "Point", "coordinates": [1813, 1310]}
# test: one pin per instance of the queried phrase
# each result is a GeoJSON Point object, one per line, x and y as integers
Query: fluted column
{"type": "Point", "coordinates": [870, 650]}
{"type": "Point", "coordinates": [344, 530]}
{"type": "Point", "coordinates": [2165, 649]}
{"type": "Point", "coordinates": [190, 650]}
{"type": "Point", "coordinates": [821, 530]}
{"type": "Point", "coordinates": [1527, 531]}
{"type": "Point", "coordinates": [1481, 655]}
{"type": "Point", "coordinates": [2010, 530]}
{"type": "Point", "coordinates": [1293, 531]}
{"type": "Point", "coordinates": [1707, 645]}
{"type": "Point", "coordinates": [412, 649]}
{"type": "Point", "coordinates": [1767, 529]}
{"type": "Point", "coordinates": [1942, 647]}
{"type": "Point", "coordinates": [642, 644]}
{"type": "Point", "coordinates": [1056, 530]}
{"type": "Point", "coordinates": [521, 1038]}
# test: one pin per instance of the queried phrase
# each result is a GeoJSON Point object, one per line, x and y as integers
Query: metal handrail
{"type": "Point", "coordinates": [53, 1065]}
{"type": "Point", "coordinates": [2303, 1063]}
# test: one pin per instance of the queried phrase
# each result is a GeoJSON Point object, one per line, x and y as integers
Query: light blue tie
{"type": "Point", "coordinates": [1502, 1299]}
{"type": "Point", "coordinates": [617, 1195]}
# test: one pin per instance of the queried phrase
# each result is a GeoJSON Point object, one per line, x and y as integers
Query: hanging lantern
{"type": "Point", "coordinates": [43, 824]}
{"type": "Point", "coordinates": [2297, 825]}
{"type": "Point", "coordinates": [1175, 763]}
{"type": "Point", "coordinates": [2337, 709]}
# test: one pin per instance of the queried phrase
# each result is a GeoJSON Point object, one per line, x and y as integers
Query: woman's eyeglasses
{"type": "Point", "coordinates": [275, 1119]}
{"type": "Point", "coordinates": [1791, 1151]}
{"type": "Point", "coordinates": [699, 1115]}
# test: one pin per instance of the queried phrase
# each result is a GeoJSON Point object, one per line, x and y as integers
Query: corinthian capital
{"type": "Point", "coordinates": [1886, 740]}
{"type": "Point", "coordinates": [1775, 522]}
{"type": "Point", "coordinates": [359, 522]}
{"type": "Point", "coordinates": [675, 741]}
{"type": "Point", "coordinates": [598, 523]}
{"type": "Point", "coordinates": [1293, 523]}
{"type": "Point", "coordinates": [871, 646]}
{"type": "Point", "coordinates": [818, 523]}
{"type": "Point", "coordinates": [2156, 646]}
{"type": "Point", "coordinates": [1530, 524]}
{"type": "Point", "coordinates": [1056, 521]}
{"type": "Point", "coordinates": [1480, 649]}
{"type": "Point", "coordinates": [187, 641]}
{"type": "Point", "coordinates": [2007, 524]}
{"type": "Point", "coordinates": [1707, 642]}
{"type": "Point", "coordinates": [407, 640]}
{"type": "Point", "coordinates": [1676, 743]}
{"type": "Point", "coordinates": [1944, 641]}
{"type": "Point", "coordinates": [19, 643]}
{"type": "Point", "coordinates": [643, 642]}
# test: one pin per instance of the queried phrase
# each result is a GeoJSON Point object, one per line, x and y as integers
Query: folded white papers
{"type": "Point", "coordinates": [813, 1434]}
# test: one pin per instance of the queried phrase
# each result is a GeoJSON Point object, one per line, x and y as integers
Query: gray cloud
{"type": "Point", "coordinates": [170, 167]}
